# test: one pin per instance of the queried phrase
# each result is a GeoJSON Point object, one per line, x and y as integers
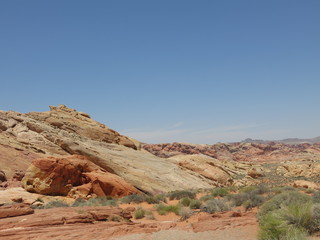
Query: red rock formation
{"type": "Point", "coordinates": [74, 176]}
{"type": "Point", "coordinates": [247, 152]}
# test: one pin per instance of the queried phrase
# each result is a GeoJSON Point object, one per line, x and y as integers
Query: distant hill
{"type": "Point", "coordinates": [285, 141]}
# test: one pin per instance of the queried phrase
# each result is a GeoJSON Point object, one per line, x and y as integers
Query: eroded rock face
{"type": "Point", "coordinates": [60, 175]}
{"type": "Point", "coordinates": [80, 123]}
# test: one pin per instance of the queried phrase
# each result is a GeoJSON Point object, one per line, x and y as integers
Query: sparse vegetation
{"type": "Point", "coordinates": [134, 198]}
{"type": "Point", "coordinates": [139, 213]}
{"type": "Point", "coordinates": [99, 201]}
{"type": "Point", "coordinates": [219, 192]}
{"type": "Point", "coordinates": [185, 213]}
{"type": "Point", "coordinates": [215, 205]}
{"type": "Point", "coordinates": [195, 204]}
{"type": "Point", "coordinates": [185, 201]}
{"type": "Point", "coordinates": [163, 209]}
{"type": "Point", "coordinates": [55, 204]}
{"type": "Point", "coordinates": [181, 194]}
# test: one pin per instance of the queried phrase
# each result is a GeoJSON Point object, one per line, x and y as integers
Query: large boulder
{"type": "Point", "coordinates": [66, 175]}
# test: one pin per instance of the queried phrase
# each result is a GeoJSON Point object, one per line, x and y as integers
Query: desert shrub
{"type": "Point", "coordinates": [289, 222]}
{"type": "Point", "coordinates": [185, 201]}
{"type": "Point", "coordinates": [99, 201]}
{"type": "Point", "coordinates": [163, 209]}
{"type": "Point", "coordinates": [215, 205]}
{"type": "Point", "coordinates": [283, 199]}
{"type": "Point", "coordinates": [56, 204]}
{"type": "Point", "coordinates": [195, 204]}
{"type": "Point", "coordinates": [247, 189]}
{"type": "Point", "coordinates": [139, 213]}
{"type": "Point", "coordinates": [273, 227]}
{"type": "Point", "coordinates": [149, 215]}
{"type": "Point", "coordinates": [288, 215]}
{"type": "Point", "coordinates": [261, 189]}
{"type": "Point", "coordinates": [161, 198]}
{"type": "Point", "coordinates": [238, 199]}
{"type": "Point", "coordinates": [206, 198]}
{"type": "Point", "coordinates": [316, 197]}
{"type": "Point", "coordinates": [248, 199]}
{"type": "Point", "coordinates": [185, 213]}
{"type": "Point", "coordinates": [181, 194]}
{"type": "Point", "coordinates": [219, 192]}
{"type": "Point", "coordinates": [315, 227]}
{"type": "Point", "coordinates": [135, 198]}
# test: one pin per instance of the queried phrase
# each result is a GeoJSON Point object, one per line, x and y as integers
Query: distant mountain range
{"type": "Point", "coordinates": [286, 141]}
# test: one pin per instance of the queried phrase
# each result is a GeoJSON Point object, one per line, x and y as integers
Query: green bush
{"type": "Point", "coordinates": [139, 213]}
{"type": "Point", "coordinates": [181, 194]}
{"type": "Point", "coordinates": [219, 192]}
{"type": "Point", "coordinates": [290, 222]}
{"type": "Point", "coordinates": [283, 199]}
{"type": "Point", "coordinates": [288, 215]}
{"type": "Point", "coordinates": [185, 201]}
{"type": "Point", "coordinates": [215, 205]}
{"type": "Point", "coordinates": [164, 209]}
{"type": "Point", "coordinates": [195, 204]}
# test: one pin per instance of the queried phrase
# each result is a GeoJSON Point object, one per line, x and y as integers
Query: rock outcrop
{"type": "Point", "coordinates": [14, 210]}
{"type": "Point", "coordinates": [63, 131]}
{"type": "Point", "coordinates": [75, 176]}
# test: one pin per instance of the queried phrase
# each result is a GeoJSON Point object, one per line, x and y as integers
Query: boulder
{"type": "Point", "coordinates": [74, 176]}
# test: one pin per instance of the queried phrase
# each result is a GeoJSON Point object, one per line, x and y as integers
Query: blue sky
{"type": "Point", "coordinates": [164, 71]}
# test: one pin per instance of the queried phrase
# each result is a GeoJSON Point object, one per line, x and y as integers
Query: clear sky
{"type": "Point", "coordinates": [199, 71]}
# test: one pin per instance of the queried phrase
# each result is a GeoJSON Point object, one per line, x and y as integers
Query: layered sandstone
{"type": "Point", "coordinates": [63, 131]}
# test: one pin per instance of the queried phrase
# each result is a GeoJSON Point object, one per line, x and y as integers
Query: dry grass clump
{"type": "Point", "coordinates": [181, 194]}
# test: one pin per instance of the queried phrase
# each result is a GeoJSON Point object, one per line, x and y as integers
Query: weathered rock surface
{"type": "Point", "coordinates": [14, 210]}
{"type": "Point", "coordinates": [63, 131]}
{"type": "Point", "coordinates": [67, 175]}
{"type": "Point", "coordinates": [222, 173]}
